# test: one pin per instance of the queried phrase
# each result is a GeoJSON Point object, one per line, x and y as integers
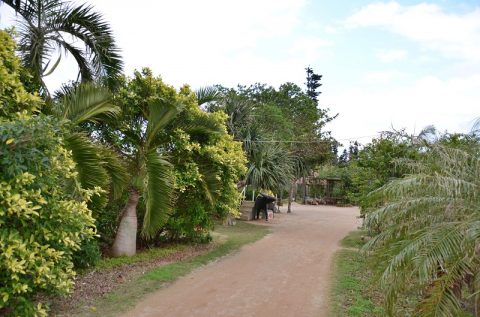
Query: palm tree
{"type": "Point", "coordinates": [270, 166]}
{"type": "Point", "coordinates": [148, 106]}
{"type": "Point", "coordinates": [428, 232]}
{"type": "Point", "coordinates": [46, 26]}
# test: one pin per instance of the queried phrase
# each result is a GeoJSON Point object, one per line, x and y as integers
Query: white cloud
{"type": "Point", "coordinates": [389, 56]}
{"type": "Point", "coordinates": [383, 77]}
{"type": "Point", "coordinates": [449, 104]}
{"type": "Point", "coordinates": [201, 42]}
{"type": "Point", "coordinates": [310, 48]}
{"type": "Point", "coordinates": [453, 35]}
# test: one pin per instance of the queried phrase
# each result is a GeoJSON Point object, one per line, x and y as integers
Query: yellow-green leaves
{"type": "Point", "coordinates": [42, 221]}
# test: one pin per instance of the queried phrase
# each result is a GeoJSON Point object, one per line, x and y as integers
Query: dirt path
{"type": "Point", "coordinates": [285, 274]}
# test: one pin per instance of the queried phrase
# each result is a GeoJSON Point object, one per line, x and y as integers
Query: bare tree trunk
{"type": "Point", "coordinates": [289, 209]}
{"type": "Point", "coordinates": [304, 190]}
{"type": "Point", "coordinates": [126, 239]}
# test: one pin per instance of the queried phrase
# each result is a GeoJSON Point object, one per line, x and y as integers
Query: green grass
{"type": "Point", "coordinates": [127, 295]}
{"type": "Point", "coordinates": [354, 239]}
{"type": "Point", "coordinates": [143, 256]}
{"type": "Point", "coordinates": [354, 292]}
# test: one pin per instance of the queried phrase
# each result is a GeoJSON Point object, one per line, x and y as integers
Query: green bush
{"type": "Point", "coordinates": [88, 255]}
{"type": "Point", "coordinates": [190, 222]}
{"type": "Point", "coordinates": [43, 214]}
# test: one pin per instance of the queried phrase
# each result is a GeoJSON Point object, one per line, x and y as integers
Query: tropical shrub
{"type": "Point", "coordinates": [427, 229]}
{"type": "Point", "coordinates": [43, 213]}
{"type": "Point", "coordinates": [13, 96]}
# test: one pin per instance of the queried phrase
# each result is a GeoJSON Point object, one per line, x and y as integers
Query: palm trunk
{"type": "Point", "coordinates": [126, 239]}
{"type": "Point", "coordinates": [289, 209]}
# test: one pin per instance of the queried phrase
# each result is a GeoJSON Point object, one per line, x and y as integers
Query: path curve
{"type": "Point", "coordinates": [286, 273]}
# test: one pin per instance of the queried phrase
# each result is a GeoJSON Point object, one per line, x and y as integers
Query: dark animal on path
{"type": "Point", "coordinates": [261, 203]}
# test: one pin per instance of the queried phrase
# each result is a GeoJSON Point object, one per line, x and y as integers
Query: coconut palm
{"type": "Point", "coordinates": [428, 232]}
{"type": "Point", "coordinates": [47, 26]}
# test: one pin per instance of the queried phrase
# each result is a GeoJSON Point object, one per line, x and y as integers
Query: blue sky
{"type": "Point", "coordinates": [385, 63]}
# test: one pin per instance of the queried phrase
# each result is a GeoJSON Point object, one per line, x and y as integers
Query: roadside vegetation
{"type": "Point", "coordinates": [110, 165]}
{"type": "Point", "coordinates": [113, 164]}
{"type": "Point", "coordinates": [420, 217]}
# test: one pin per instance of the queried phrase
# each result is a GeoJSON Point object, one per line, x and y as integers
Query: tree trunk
{"type": "Point", "coordinates": [289, 209]}
{"type": "Point", "coordinates": [126, 239]}
{"type": "Point", "coordinates": [304, 190]}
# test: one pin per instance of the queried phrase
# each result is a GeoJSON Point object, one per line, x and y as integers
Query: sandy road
{"type": "Point", "coordinates": [286, 273]}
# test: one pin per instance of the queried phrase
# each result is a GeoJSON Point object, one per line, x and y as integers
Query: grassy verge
{"type": "Point", "coordinates": [128, 294]}
{"type": "Point", "coordinates": [143, 256]}
{"type": "Point", "coordinates": [354, 293]}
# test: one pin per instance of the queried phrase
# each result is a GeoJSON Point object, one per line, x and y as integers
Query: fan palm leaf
{"type": "Point", "coordinates": [270, 167]}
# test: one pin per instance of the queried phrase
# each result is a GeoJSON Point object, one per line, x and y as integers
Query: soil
{"type": "Point", "coordinates": [287, 273]}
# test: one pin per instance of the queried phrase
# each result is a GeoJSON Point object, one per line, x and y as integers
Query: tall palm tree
{"type": "Point", "coordinates": [428, 232]}
{"type": "Point", "coordinates": [148, 106]}
{"type": "Point", "coordinates": [46, 26]}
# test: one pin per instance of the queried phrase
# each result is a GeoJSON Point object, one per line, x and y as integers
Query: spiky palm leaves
{"type": "Point", "coordinates": [50, 25]}
{"type": "Point", "coordinates": [428, 226]}
{"type": "Point", "coordinates": [270, 166]}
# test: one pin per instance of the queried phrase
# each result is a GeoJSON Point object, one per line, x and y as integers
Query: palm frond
{"type": "Point", "coordinates": [210, 180]}
{"type": "Point", "coordinates": [158, 193]}
{"type": "Point", "coordinates": [87, 102]}
{"type": "Point", "coordinates": [116, 170]}
{"type": "Point", "coordinates": [270, 167]}
{"type": "Point", "coordinates": [89, 163]}
{"type": "Point", "coordinates": [429, 229]}
{"type": "Point", "coordinates": [207, 94]}
{"type": "Point", "coordinates": [160, 114]}
{"type": "Point", "coordinates": [90, 27]}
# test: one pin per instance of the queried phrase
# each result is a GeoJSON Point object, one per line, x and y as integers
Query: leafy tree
{"type": "Point", "coordinates": [208, 164]}
{"type": "Point", "coordinates": [43, 28]}
{"type": "Point", "coordinates": [376, 164]}
{"type": "Point", "coordinates": [428, 232]}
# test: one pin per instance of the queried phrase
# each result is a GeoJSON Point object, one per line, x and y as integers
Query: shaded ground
{"type": "Point", "coordinates": [285, 274]}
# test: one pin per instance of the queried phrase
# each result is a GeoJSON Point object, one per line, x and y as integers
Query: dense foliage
{"type": "Point", "coordinates": [13, 96]}
{"type": "Point", "coordinates": [427, 230]}
{"type": "Point", "coordinates": [43, 213]}
{"type": "Point", "coordinates": [281, 130]}
{"type": "Point", "coordinates": [208, 163]}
